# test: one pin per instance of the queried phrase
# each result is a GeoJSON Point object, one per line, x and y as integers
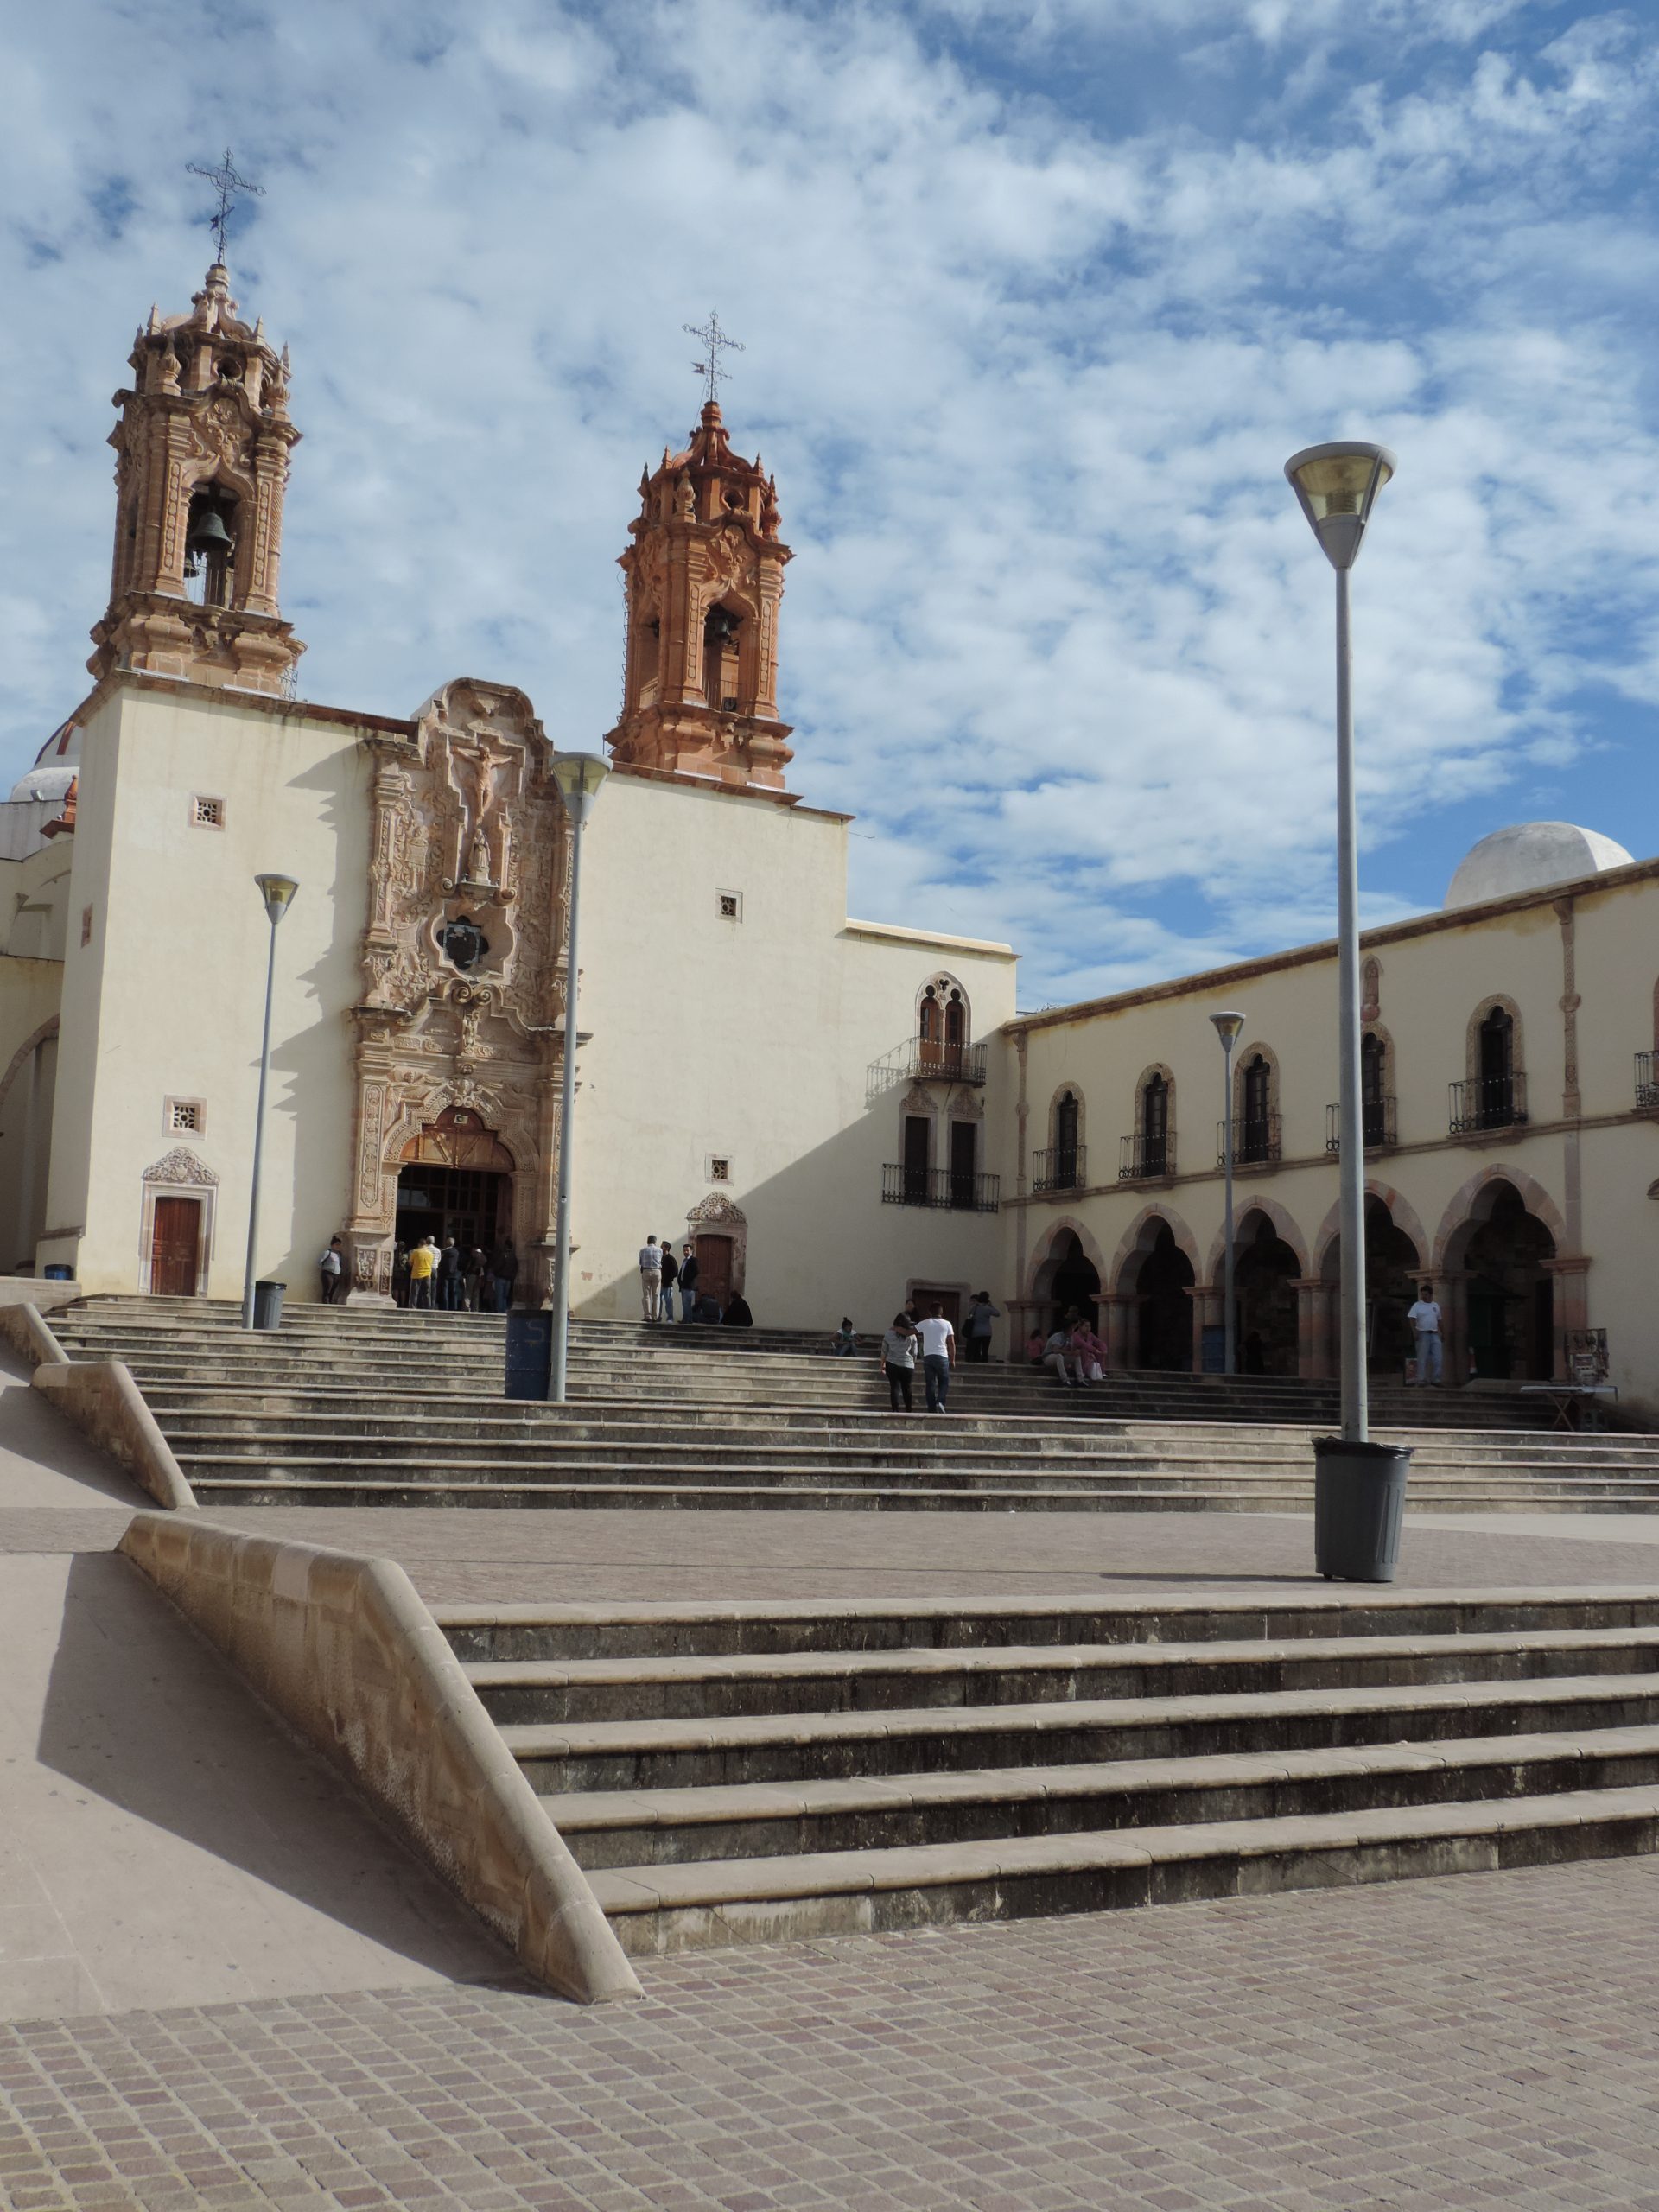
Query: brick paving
{"type": "Point", "coordinates": [1451, 2043]}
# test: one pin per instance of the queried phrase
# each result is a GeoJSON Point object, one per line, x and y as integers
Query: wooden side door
{"type": "Point", "coordinates": [715, 1268]}
{"type": "Point", "coordinates": [176, 1247]}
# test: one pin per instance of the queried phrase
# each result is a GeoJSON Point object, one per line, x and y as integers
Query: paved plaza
{"type": "Point", "coordinates": [1448, 2043]}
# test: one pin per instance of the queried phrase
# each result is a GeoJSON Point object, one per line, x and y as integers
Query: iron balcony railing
{"type": "Point", "coordinates": [1647, 1089]}
{"type": "Point", "coordinates": [1255, 1139]}
{"type": "Point", "coordinates": [1490, 1102]}
{"type": "Point", "coordinates": [919, 1060]}
{"type": "Point", "coordinates": [1378, 1114]}
{"type": "Point", "coordinates": [946, 1187]}
{"type": "Point", "coordinates": [1142, 1158]}
{"type": "Point", "coordinates": [1062, 1167]}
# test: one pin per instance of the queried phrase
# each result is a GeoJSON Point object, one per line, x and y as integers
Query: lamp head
{"type": "Point", "coordinates": [277, 891]}
{"type": "Point", "coordinates": [1336, 487]}
{"type": "Point", "coordinates": [579, 776]}
{"type": "Point", "coordinates": [1227, 1028]}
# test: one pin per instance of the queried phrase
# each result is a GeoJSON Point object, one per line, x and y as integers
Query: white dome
{"type": "Point", "coordinates": [55, 766]}
{"type": "Point", "coordinates": [1529, 856]}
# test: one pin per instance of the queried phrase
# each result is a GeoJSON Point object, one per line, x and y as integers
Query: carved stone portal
{"type": "Point", "coordinates": [468, 826]}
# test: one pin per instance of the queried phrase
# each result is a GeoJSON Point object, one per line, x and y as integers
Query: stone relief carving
{"type": "Point", "coordinates": [467, 822]}
{"type": "Point", "coordinates": [181, 1166]}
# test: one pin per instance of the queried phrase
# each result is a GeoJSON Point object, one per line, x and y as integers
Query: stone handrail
{"type": "Point", "coordinates": [343, 1647]}
{"type": "Point", "coordinates": [101, 1398]}
{"type": "Point", "coordinates": [25, 1328]}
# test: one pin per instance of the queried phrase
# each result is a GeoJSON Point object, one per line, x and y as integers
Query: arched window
{"type": "Point", "coordinates": [1063, 1161]}
{"type": "Point", "coordinates": [1256, 1120]}
{"type": "Point", "coordinates": [720, 630]}
{"type": "Point", "coordinates": [1154, 1124]}
{"type": "Point", "coordinates": [1496, 1101]}
{"type": "Point", "coordinates": [1374, 1088]}
{"type": "Point", "coordinates": [943, 1028]}
{"type": "Point", "coordinates": [210, 545]}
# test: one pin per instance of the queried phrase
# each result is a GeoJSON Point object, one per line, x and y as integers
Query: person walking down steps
{"type": "Point", "coordinates": [651, 1278]}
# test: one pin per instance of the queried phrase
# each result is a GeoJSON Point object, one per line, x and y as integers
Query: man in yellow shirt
{"type": "Point", "coordinates": [422, 1262]}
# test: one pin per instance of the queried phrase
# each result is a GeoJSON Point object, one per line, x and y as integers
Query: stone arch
{"type": "Point", "coordinates": [1139, 1237]}
{"type": "Point", "coordinates": [1241, 1059]}
{"type": "Point", "coordinates": [1060, 1091]}
{"type": "Point", "coordinates": [938, 1031]}
{"type": "Point", "coordinates": [1489, 1005]}
{"type": "Point", "coordinates": [1405, 1217]}
{"type": "Point", "coordinates": [1465, 1209]}
{"type": "Point", "coordinates": [1047, 1252]}
{"type": "Point", "coordinates": [1284, 1227]}
{"type": "Point", "coordinates": [20, 1059]}
{"type": "Point", "coordinates": [718, 1215]}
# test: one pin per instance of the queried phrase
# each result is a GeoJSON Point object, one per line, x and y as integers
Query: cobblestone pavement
{"type": "Point", "coordinates": [1486, 2040]}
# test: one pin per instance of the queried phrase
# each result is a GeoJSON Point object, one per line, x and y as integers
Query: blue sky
{"type": "Point", "coordinates": [1035, 301]}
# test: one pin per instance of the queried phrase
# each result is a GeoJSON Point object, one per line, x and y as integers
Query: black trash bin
{"type": "Point", "coordinates": [530, 1354]}
{"type": "Point", "coordinates": [267, 1305]}
{"type": "Point", "coordinates": [1359, 1497]}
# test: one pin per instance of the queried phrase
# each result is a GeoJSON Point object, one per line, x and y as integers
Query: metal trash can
{"type": "Point", "coordinates": [1359, 1498]}
{"type": "Point", "coordinates": [267, 1305]}
{"type": "Point", "coordinates": [529, 1355]}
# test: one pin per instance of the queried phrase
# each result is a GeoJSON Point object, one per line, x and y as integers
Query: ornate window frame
{"type": "Point", "coordinates": [178, 1174]}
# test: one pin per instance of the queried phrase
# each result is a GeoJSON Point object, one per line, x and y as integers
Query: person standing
{"type": "Point", "coordinates": [983, 1318]}
{"type": "Point", "coordinates": [1424, 1320]}
{"type": "Point", "coordinates": [671, 1270]}
{"type": "Point", "coordinates": [938, 1353]}
{"type": "Point", "coordinates": [400, 1275]}
{"type": "Point", "coordinates": [422, 1262]}
{"type": "Point", "coordinates": [688, 1279]}
{"type": "Point", "coordinates": [898, 1362]}
{"type": "Point", "coordinates": [331, 1269]}
{"type": "Point", "coordinates": [651, 1278]}
{"type": "Point", "coordinates": [505, 1274]}
{"type": "Point", "coordinates": [448, 1272]}
{"type": "Point", "coordinates": [472, 1277]}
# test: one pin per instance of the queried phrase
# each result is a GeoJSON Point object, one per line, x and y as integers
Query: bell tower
{"type": "Point", "coordinates": [202, 457]}
{"type": "Point", "coordinates": [705, 575]}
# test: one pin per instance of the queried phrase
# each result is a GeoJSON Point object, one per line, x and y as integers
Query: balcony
{"type": "Point", "coordinates": [1063, 1168]}
{"type": "Point", "coordinates": [946, 1188]}
{"type": "Point", "coordinates": [1491, 1102]}
{"type": "Point", "coordinates": [919, 1060]}
{"type": "Point", "coordinates": [1378, 1114]}
{"type": "Point", "coordinates": [1256, 1141]}
{"type": "Point", "coordinates": [1647, 1089]}
{"type": "Point", "coordinates": [1145, 1159]}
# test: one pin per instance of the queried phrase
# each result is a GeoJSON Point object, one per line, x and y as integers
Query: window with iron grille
{"type": "Point", "coordinates": [185, 1115]}
{"type": "Point", "coordinates": [206, 812]}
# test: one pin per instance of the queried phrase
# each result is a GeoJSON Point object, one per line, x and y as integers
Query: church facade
{"type": "Point", "coordinates": [837, 1113]}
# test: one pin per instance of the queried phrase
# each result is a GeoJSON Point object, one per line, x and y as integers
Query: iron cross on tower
{"type": "Point", "coordinates": [715, 342]}
{"type": "Point", "coordinates": [227, 183]}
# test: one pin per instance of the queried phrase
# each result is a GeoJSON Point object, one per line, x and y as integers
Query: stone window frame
{"type": "Point", "coordinates": [1517, 1035]}
{"type": "Point", "coordinates": [717, 1168]}
{"type": "Point", "coordinates": [731, 911]}
{"type": "Point", "coordinates": [1138, 1124]}
{"type": "Point", "coordinates": [941, 981]}
{"type": "Point", "coordinates": [1241, 1059]}
{"type": "Point", "coordinates": [207, 810]}
{"type": "Point", "coordinates": [173, 1126]}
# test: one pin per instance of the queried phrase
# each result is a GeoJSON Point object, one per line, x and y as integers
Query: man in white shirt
{"type": "Point", "coordinates": [651, 1278]}
{"type": "Point", "coordinates": [1425, 1318]}
{"type": "Point", "coordinates": [938, 1353]}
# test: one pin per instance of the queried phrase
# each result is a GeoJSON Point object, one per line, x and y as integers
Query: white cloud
{"type": "Point", "coordinates": [1054, 630]}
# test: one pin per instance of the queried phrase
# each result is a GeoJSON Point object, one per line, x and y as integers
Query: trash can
{"type": "Point", "coordinates": [55, 1271]}
{"type": "Point", "coordinates": [267, 1305]}
{"type": "Point", "coordinates": [530, 1354]}
{"type": "Point", "coordinates": [1359, 1495]}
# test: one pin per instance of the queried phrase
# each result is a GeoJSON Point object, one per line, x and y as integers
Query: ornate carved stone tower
{"type": "Point", "coordinates": [705, 575]}
{"type": "Point", "coordinates": [203, 446]}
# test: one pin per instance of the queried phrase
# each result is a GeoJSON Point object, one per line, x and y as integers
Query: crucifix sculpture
{"type": "Point", "coordinates": [227, 183]}
{"type": "Point", "coordinates": [715, 342]}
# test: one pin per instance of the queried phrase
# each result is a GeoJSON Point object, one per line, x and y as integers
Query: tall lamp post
{"type": "Point", "coordinates": [277, 891]}
{"type": "Point", "coordinates": [579, 776]}
{"type": "Point", "coordinates": [1227, 1028]}
{"type": "Point", "coordinates": [1336, 486]}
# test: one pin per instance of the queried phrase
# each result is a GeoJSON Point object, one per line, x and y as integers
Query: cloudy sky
{"type": "Point", "coordinates": [1035, 300]}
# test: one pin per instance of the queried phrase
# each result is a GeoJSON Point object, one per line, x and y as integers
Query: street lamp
{"type": "Point", "coordinates": [1336, 486]}
{"type": "Point", "coordinates": [1227, 1028]}
{"type": "Point", "coordinates": [578, 776]}
{"type": "Point", "coordinates": [277, 891]}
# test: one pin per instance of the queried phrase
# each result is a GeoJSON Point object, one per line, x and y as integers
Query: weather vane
{"type": "Point", "coordinates": [227, 181]}
{"type": "Point", "coordinates": [715, 342]}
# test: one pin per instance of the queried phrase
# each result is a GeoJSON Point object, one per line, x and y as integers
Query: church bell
{"type": "Point", "coordinates": [209, 535]}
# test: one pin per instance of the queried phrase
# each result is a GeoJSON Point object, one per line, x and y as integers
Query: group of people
{"type": "Point", "coordinates": [1072, 1351]}
{"type": "Point", "coordinates": [452, 1278]}
{"type": "Point", "coordinates": [661, 1274]}
{"type": "Point", "coordinates": [933, 1339]}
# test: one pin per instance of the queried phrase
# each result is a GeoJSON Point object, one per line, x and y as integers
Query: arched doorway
{"type": "Point", "coordinates": [1265, 1270]}
{"type": "Point", "coordinates": [1067, 1281]}
{"type": "Point", "coordinates": [1162, 1282]}
{"type": "Point", "coordinates": [1393, 1270]}
{"type": "Point", "coordinates": [1510, 1293]}
{"type": "Point", "coordinates": [455, 1180]}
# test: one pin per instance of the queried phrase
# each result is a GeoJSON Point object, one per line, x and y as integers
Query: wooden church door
{"type": "Point", "coordinates": [176, 1247]}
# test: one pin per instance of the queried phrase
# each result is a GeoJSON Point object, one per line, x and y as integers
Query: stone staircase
{"type": "Point", "coordinates": [769, 1771]}
{"type": "Point", "coordinates": [354, 1405]}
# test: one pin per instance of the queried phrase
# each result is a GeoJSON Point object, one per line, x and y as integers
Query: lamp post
{"type": "Point", "coordinates": [1336, 486]}
{"type": "Point", "coordinates": [277, 891]}
{"type": "Point", "coordinates": [1227, 1028]}
{"type": "Point", "coordinates": [579, 776]}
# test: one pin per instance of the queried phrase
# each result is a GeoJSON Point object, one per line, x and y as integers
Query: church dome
{"type": "Point", "coordinates": [55, 766]}
{"type": "Point", "coordinates": [1529, 856]}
